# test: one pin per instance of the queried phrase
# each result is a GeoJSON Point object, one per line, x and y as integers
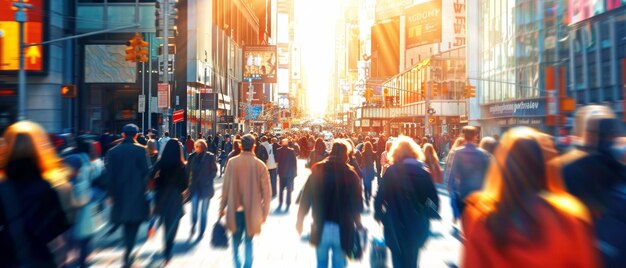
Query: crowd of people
{"type": "Point", "coordinates": [516, 201]}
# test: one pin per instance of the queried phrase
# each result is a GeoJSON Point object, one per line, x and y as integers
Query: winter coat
{"type": "Point", "coordinates": [400, 204]}
{"type": "Point", "coordinates": [127, 167]}
{"type": "Point", "coordinates": [85, 226]}
{"type": "Point", "coordinates": [368, 165]}
{"type": "Point", "coordinates": [333, 193]}
{"type": "Point", "coordinates": [247, 185]}
{"type": "Point", "coordinates": [287, 163]}
{"type": "Point", "coordinates": [201, 170]}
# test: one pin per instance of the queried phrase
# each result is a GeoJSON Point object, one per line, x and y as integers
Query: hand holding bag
{"type": "Point", "coordinates": [219, 239]}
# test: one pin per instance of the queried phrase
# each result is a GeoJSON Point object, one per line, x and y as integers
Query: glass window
{"type": "Point", "coordinates": [121, 15]}
{"type": "Point", "coordinates": [89, 17]}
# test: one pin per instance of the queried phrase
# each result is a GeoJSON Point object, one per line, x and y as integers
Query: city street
{"type": "Point", "coordinates": [277, 246]}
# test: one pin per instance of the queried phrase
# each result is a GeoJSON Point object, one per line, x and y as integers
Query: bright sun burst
{"type": "Point", "coordinates": [316, 32]}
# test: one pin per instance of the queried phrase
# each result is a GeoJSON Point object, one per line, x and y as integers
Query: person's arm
{"type": "Point", "coordinates": [212, 166]}
{"type": "Point", "coordinates": [357, 195]}
{"type": "Point", "coordinates": [225, 189]}
{"type": "Point", "coordinates": [305, 203]}
{"type": "Point", "coordinates": [265, 189]}
{"type": "Point", "coordinates": [380, 197]}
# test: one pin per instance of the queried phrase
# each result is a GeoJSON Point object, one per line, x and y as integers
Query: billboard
{"type": "Point", "coordinates": [580, 10]}
{"type": "Point", "coordinates": [423, 24]}
{"type": "Point", "coordinates": [107, 64]}
{"type": "Point", "coordinates": [613, 4]}
{"type": "Point", "coordinates": [33, 33]}
{"type": "Point", "coordinates": [259, 64]}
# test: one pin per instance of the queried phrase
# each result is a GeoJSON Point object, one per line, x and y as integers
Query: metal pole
{"type": "Point", "coordinates": [143, 93]}
{"type": "Point", "coordinates": [427, 103]}
{"type": "Point", "coordinates": [150, 85]}
{"type": "Point", "coordinates": [557, 69]}
{"type": "Point", "coordinates": [166, 62]}
{"type": "Point", "coordinates": [20, 17]}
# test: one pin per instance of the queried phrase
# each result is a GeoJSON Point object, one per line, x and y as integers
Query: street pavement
{"type": "Point", "coordinates": [278, 245]}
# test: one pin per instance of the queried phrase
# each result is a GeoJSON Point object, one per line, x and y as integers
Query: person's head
{"type": "Point", "coordinates": [470, 134]}
{"type": "Point", "coordinates": [130, 131]}
{"type": "Point", "coordinates": [188, 137]}
{"type": "Point", "coordinates": [488, 144]}
{"type": "Point", "coordinates": [320, 146]}
{"type": "Point", "coordinates": [248, 143]}
{"type": "Point", "coordinates": [263, 139]}
{"type": "Point", "coordinates": [339, 152]}
{"type": "Point", "coordinates": [518, 180]}
{"type": "Point", "coordinates": [227, 137]}
{"type": "Point", "coordinates": [152, 148]}
{"type": "Point", "coordinates": [27, 141]}
{"type": "Point", "coordinates": [166, 134]}
{"type": "Point", "coordinates": [430, 154]}
{"type": "Point", "coordinates": [274, 140]}
{"type": "Point", "coordinates": [388, 146]}
{"type": "Point", "coordinates": [236, 146]}
{"type": "Point", "coordinates": [172, 154]}
{"type": "Point", "coordinates": [424, 140]}
{"type": "Point", "coordinates": [601, 134]}
{"type": "Point", "coordinates": [405, 148]}
{"type": "Point", "coordinates": [584, 114]}
{"type": "Point", "coordinates": [200, 146]}
{"type": "Point", "coordinates": [284, 142]}
{"type": "Point", "coordinates": [460, 141]}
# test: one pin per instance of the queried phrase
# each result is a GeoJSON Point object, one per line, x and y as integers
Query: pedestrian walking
{"type": "Point", "coordinates": [169, 185]}
{"type": "Point", "coordinates": [201, 169]}
{"type": "Point", "coordinates": [488, 144]}
{"type": "Point", "coordinates": [432, 162]}
{"type": "Point", "coordinates": [272, 166]}
{"type": "Point", "coordinates": [189, 145]}
{"type": "Point", "coordinates": [287, 172]}
{"type": "Point", "coordinates": [467, 169]}
{"type": "Point", "coordinates": [379, 148]}
{"type": "Point", "coordinates": [523, 217]}
{"type": "Point", "coordinates": [246, 198]}
{"type": "Point", "coordinates": [31, 211]}
{"type": "Point", "coordinates": [318, 154]}
{"type": "Point", "coordinates": [593, 174]}
{"type": "Point", "coordinates": [227, 147]}
{"type": "Point", "coordinates": [405, 202]}
{"type": "Point", "coordinates": [162, 141]}
{"type": "Point", "coordinates": [384, 158]}
{"type": "Point", "coordinates": [127, 168]}
{"type": "Point", "coordinates": [368, 165]}
{"type": "Point", "coordinates": [333, 194]}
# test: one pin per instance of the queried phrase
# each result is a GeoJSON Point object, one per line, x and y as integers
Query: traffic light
{"type": "Point", "coordinates": [470, 91]}
{"type": "Point", "coordinates": [444, 89]}
{"type": "Point", "coordinates": [68, 91]}
{"type": "Point", "coordinates": [368, 94]}
{"type": "Point", "coordinates": [434, 89]}
{"type": "Point", "coordinates": [171, 16]}
{"type": "Point", "coordinates": [137, 50]}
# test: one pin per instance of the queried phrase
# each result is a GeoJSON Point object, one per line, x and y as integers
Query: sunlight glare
{"type": "Point", "coordinates": [316, 28]}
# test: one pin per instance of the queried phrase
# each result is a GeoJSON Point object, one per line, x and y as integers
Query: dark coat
{"type": "Point", "coordinates": [332, 191]}
{"type": "Point", "coordinates": [42, 215]}
{"type": "Point", "coordinates": [403, 192]}
{"type": "Point", "coordinates": [367, 165]}
{"type": "Point", "coordinates": [170, 184]}
{"type": "Point", "coordinates": [127, 168]}
{"type": "Point", "coordinates": [201, 171]}
{"type": "Point", "coordinates": [287, 163]}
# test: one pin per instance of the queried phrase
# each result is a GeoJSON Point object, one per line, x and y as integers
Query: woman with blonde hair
{"type": "Point", "coordinates": [405, 202]}
{"type": "Point", "coordinates": [432, 162]}
{"type": "Point", "coordinates": [34, 193]}
{"type": "Point", "coordinates": [384, 158]}
{"type": "Point", "coordinates": [524, 217]}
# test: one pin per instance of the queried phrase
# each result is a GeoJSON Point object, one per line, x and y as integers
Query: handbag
{"type": "Point", "coordinates": [359, 245]}
{"type": "Point", "coordinates": [378, 253]}
{"type": "Point", "coordinates": [219, 238]}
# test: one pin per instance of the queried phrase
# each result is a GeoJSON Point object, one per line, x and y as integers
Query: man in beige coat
{"type": "Point", "coordinates": [246, 192]}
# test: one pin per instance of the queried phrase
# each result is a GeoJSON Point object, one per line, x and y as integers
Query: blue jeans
{"type": "Point", "coordinates": [203, 204]}
{"type": "Point", "coordinates": [330, 240]}
{"type": "Point", "coordinates": [273, 176]}
{"type": "Point", "coordinates": [238, 236]}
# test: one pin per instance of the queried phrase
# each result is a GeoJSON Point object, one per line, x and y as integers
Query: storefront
{"type": "Point", "coordinates": [501, 116]}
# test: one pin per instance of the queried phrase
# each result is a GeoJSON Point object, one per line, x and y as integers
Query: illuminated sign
{"type": "Point", "coordinates": [259, 64]}
{"type": "Point", "coordinates": [9, 36]}
{"type": "Point", "coordinates": [423, 24]}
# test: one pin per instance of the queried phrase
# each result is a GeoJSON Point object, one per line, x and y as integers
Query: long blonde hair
{"type": "Point", "coordinates": [27, 139]}
{"type": "Point", "coordinates": [430, 154]}
{"type": "Point", "coordinates": [404, 148]}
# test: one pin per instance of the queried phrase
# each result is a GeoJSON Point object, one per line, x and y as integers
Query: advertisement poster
{"type": "Point", "coordinates": [580, 10]}
{"type": "Point", "coordinates": [259, 64]}
{"type": "Point", "coordinates": [423, 24]}
{"type": "Point", "coordinates": [9, 37]}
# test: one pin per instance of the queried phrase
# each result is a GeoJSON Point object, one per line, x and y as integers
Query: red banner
{"type": "Point", "coordinates": [178, 116]}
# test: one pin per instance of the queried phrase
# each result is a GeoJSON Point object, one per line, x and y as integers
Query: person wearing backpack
{"type": "Point", "coordinates": [272, 166]}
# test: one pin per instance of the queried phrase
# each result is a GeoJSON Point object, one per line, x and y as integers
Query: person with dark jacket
{"type": "Point", "coordinates": [404, 202]}
{"type": "Point", "coordinates": [333, 194]}
{"type": "Point", "coordinates": [352, 158]}
{"type": "Point", "coordinates": [170, 184]}
{"type": "Point", "coordinates": [379, 148]}
{"type": "Point", "coordinates": [287, 172]}
{"type": "Point", "coordinates": [227, 147]}
{"type": "Point", "coordinates": [369, 159]}
{"type": "Point", "coordinates": [593, 174]}
{"type": "Point", "coordinates": [127, 168]}
{"type": "Point", "coordinates": [28, 188]}
{"type": "Point", "coordinates": [201, 170]}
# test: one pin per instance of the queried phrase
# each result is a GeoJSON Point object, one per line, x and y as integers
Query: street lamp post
{"type": "Point", "coordinates": [20, 17]}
